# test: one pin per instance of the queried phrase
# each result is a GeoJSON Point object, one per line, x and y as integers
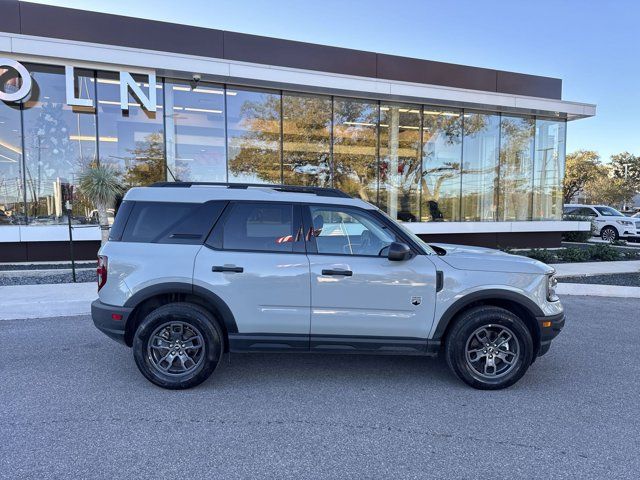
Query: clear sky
{"type": "Point", "coordinates": [593, 46]}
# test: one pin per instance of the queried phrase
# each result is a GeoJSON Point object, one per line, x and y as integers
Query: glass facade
{"type": "Point", "coordinates": [416, 162]}
{"type": "Point", "coordinates": [480, 166]}
{"type": "Point", "coordinates": [516, 168]}
{"type": "Point", "coordinates": [59, 142]}
{"type": "Point", "coordinates": [11, 165]}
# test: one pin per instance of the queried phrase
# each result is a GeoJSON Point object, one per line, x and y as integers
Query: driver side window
{"type": "Point", "coordinates": [343, 231]}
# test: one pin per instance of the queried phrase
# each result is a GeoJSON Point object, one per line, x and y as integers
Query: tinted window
{"type": "Point", "coordinates": [609, 212]}
{"type": "Point", "coordinates": [259, 227]}
{"type": "Point", "coordinates": [120, 221]}
{"type": "Point", "coordinates": [587, 212]}
{"type": "Point", "coordinates": [196, 225]}
{"type": "Point", "coordinates": [170, 222]}
{"type": "Point", "coordinates": [349, 232]}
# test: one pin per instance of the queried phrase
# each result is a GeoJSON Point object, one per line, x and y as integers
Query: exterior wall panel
{"type": "Point", "coordinates": [523, 84]}
{"type": "Point", "coordinates": [286, 53]}
{"type": "Point", "coordinates": [9, 16]}
{"type": "Point", "coordinates": [435, 73]}
{"type": "Point", "coordinates": [101, 28]}
{"type": "Point", "coordinates": [84, 26]}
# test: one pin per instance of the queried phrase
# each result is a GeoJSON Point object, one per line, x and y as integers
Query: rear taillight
{"type": "Point", "coordinates": [102, 271]}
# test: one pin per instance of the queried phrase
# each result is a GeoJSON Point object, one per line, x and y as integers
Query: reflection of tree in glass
{"type": "Point", "coordinates": [449, 128]}
{"type": "Point", "coordinates": [516, 167]}
{"type": "Point", "coordinates": [256, 151]}
{"type": "Point", "coordinates": [307, 140]}
{"type": "Point", "coordinates": [355, 148]}
{"type": "Point", "coordinates": [147, 164]}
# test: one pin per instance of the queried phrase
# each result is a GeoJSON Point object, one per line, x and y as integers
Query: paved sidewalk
{"type": "Point", "coordinates": [596, 268]}
{"type": "Point", "coordinates": [43, 301]}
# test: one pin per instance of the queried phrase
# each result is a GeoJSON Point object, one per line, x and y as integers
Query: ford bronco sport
{"type": "Point", "coordinates": [192, 270]}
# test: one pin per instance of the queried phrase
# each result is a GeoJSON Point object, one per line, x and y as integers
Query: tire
{"type": "Point", "coordinates": [178, 345]}
{"type": "Point", "coordinates": [609, 234]}
{"type": "Point", "coordinates": [507, 368]}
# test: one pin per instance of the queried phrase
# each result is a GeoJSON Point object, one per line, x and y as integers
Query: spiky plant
{"type": "Point", "coordinates": [101, 185]}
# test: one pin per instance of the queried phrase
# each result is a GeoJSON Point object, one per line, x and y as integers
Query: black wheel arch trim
{"type": "Point", "coordinates": [485, 295]}
{"type": "Point", "coordinates": [186, 288]}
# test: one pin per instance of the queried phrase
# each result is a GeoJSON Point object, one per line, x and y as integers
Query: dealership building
{"type": "Point", "coordinates": [461, 154]}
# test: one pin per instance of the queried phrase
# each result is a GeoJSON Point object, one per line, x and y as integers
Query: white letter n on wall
{"type": "Point", "coordinates": [127, 82]}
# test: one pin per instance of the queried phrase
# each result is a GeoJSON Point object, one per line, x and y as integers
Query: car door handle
{"type": "Point", "coordinates": [221, 268]}
{"type": "Point", "coordinates": [346, 273]}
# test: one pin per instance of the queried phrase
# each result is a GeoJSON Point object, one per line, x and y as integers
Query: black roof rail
{"type": "Point", "coordinates": [319, 191]}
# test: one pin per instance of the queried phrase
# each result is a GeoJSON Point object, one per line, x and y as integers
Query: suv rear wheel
{"type": "Point", "coordinates": [489, 348]}
{"type": "Point", "coordinates": [178, 345]}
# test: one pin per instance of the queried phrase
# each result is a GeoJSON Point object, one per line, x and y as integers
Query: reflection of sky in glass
{"type": "Point", "coordinates": [195, 131]}
{"type": "Point", "coordinates": [120, 133]}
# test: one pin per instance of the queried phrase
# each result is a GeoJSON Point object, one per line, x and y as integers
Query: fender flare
{"type": "Point", "coordinates": [489, 294]}
{"type": "Point", "coordinates": [209, 297]}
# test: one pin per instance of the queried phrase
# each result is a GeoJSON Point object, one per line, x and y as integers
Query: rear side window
{"type": "Point", "coordinates": [162, 222]}
{"type": "Point", "coordinates": [260, 227]}
{"type": "Point", "coordinates": [122, 215]}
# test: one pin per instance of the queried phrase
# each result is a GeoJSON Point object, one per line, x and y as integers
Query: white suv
{"type": "Point", "coordinates": [608, 222]}
{"type": "Point", "coordinates": [191, 271]}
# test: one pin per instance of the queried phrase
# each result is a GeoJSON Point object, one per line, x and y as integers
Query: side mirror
{"type": "Point", "coordinates": [399, 252]}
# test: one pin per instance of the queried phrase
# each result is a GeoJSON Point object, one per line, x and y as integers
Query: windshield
{"type": "Point", "coordinates": [609, 212]}
{"type": "Point", "coordinates": [427, 249]}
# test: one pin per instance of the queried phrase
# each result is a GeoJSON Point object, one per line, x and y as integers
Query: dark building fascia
{"type": "Point", "coordinates": [79, 25]}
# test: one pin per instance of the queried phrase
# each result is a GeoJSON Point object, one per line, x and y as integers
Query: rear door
{"type": "Point", "coordinates": [255, 262]}
{"type": "Point", "coordinates": [360, 300]}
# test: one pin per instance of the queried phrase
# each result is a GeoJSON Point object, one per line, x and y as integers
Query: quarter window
{"type": "Point", "coordinates": [260, 227]}
{"type": "Point", "coordinates": [349, 232]}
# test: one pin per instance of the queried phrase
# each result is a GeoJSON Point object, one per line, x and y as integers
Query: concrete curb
{"type": "Point", "coordinates": [593, 290]}
{"type": "Point", "coordinates": [596, 268]}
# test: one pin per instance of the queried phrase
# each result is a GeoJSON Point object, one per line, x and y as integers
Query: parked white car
{"type": "Point", "coordinates": [610, 224]}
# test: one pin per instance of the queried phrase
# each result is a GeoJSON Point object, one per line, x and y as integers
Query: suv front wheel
{"type": "Point", "coordinates": [489, 348]}
{"type": "Point", "coordinates": [609, 234]}
{"type": "Point", "coordinates": [178, 345]}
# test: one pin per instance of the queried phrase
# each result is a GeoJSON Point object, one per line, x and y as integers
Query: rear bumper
{"type": "Point", "coordinates": [550, 327]}
{"type": "Point", "coordinates": [103, 318]}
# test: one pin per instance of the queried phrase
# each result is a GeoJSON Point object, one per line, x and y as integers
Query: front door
{"type": "Point", "coordinates": [359, 298]}
{"type": "Point", "coordinates": [255, 262]}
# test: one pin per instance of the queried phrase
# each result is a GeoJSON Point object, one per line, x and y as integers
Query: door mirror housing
{"type": "Point", "coordinates": [399, 252]}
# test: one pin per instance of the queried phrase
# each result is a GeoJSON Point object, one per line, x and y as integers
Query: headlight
{"type": "Point", "coordinates": [552, 283]}
{"type": "Point", "coordinates": [624, 222]}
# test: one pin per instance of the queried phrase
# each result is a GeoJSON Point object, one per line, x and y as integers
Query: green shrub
{"type": "Point", "coordinates": [545, 256]}
{"type": "Point", "coordinates": [581, 237]}
{"type": "Point", "coordinates": [573, 255]}
{"type": "Point", "coordinates": [604, 253]}
{"type": "Point", "coordinates": [628, 255]}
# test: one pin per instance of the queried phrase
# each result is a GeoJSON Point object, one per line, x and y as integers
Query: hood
{"type": "Point", "coordinates": [464, 257]}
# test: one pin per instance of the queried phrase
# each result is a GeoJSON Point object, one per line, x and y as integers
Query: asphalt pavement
{"type": "Point", "coordinates": [73, 405]}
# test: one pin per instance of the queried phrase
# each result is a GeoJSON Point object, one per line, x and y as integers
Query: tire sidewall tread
{"type": "Point", "coordinates": [203, 320]}
{"type": "Point", "coordinates": [470, 320]}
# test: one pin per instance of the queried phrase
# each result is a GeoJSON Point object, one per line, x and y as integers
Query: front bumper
{"type": "Point", "coordinates": [550, 327]}
{"type": "Point", "coordinates": [110, 320]}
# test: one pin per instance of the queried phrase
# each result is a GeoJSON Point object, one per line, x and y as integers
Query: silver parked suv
{"type": "Point", "coordinates": [195, 270]}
